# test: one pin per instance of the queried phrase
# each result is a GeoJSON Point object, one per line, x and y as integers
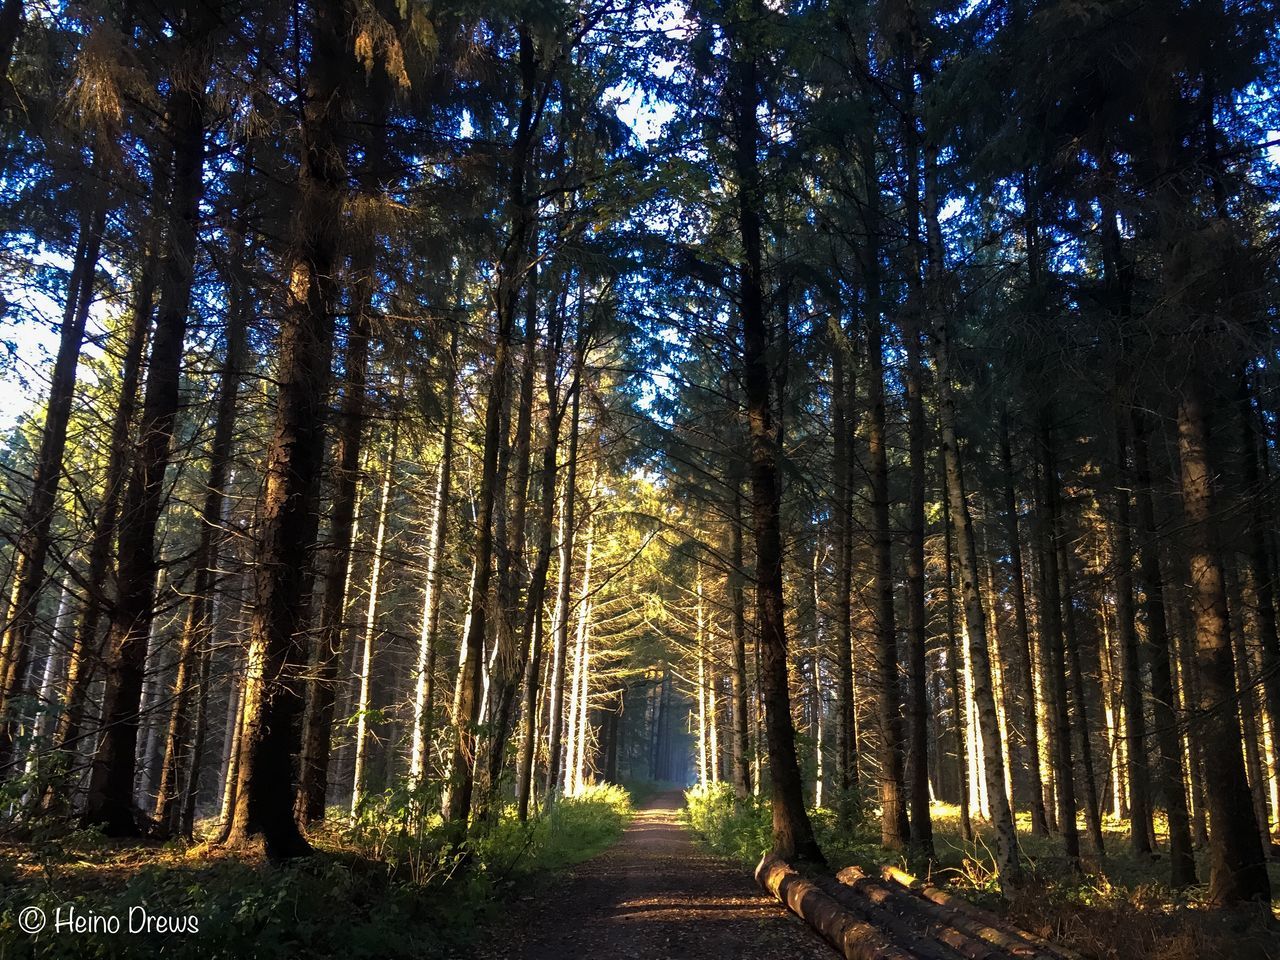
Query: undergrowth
{"type": "Point", "coordinates": [386, 886]}
{"type": "Point", "coordinates": [1118, 908]}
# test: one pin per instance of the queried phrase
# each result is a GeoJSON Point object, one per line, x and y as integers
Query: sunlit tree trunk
{"type": "Point", "coordinates": [1006, 843]}
{"type": "Point", "coordinates": [371, 621]}
{"type": "Point", "coordinates": [564, 588]}
{"type": "Point", "coordinates": [817, 728]}
{"type": "Point", "coordinates": [1055, 655]}
{"type": "Point", "coordinates": [581, 672]}
{"type": "Point", "coordinates": [1262, 569]}
{"type": "Point", "coordinates": [1092, 805]}
{"type": "Point", "coordinates": [738, 641]}
{"type": "Point", "coordinates": [842, 487]}
{"type": "Point", "coordinates": [429, 636]}
{"type": "Point", "coordinates": [917, 767]}
{"type": "Point", "coordinates": [959, 707]}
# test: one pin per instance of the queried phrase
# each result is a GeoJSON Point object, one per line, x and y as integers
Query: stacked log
{"type": "Point", "coordinates": [897, 917]}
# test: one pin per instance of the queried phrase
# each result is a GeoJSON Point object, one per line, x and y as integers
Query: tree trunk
{"type": "Point", "coordinates": [958, 724]}
{"type": "Point", "coordinates": [532, 625]}
{"type": "Point", "coordinates": [564, 586]}
{"type": "Point", "coordinates": [32, 540]}
{"type": "Point", "coordinates": [1130, 664]}
{"type": "Point", "coordinates": [515, 635]}
{"type": "Point", "coordinates": [317, 726]}
{"type": "Point", "coordinates": [581, 673]}
{"type": "Point", "coordinates": [110, 796]}
{"type": "Point", "coordinates": [741, 746]}
{"type": "Point", "coordinates": [1026, 662]}
{"type": "Point", "coordinates": [917, 619]}
{"type": "Point", "coordinates": [1055, 680]}
{"type": "Point", "coordinates": [1238, 868]}
{"type": "Point", "coordinates": [1092, 806]}
{"type": "Point", "coordinates": [1260, 562]}
{"type": "Point", "coordinates": [429, 638]}
{"type": "Point", "coordinates": [288, 511]}
{"type": "Point", "coordinates": [194, 651]}
{"type": "Point", "coordinates": [371, 620]}
{"type": "Point", "coordinates": [793, 838]}
{"type": "Point", "coordinates": [846, 746]}
{"type": "Point", "coordinates": [894, 828]}
{"type": "Point", "coordinates": [1006, 851]}
{"type": "Point", "coordinates": [84, 648]}
{"type": "Point", "coordinates": [10, 29]}
{"type": "Point", "coordinates": [1170, 771]}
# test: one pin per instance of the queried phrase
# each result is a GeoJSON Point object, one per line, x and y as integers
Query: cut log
{"type": "Point", "coordinates": [852, 937]}
{"type": "Point", "coordinates": [941, 923]}
{"type": "Point", "coordinates": [908, 929]}
{"type": "Point", "coordinates": [977, 921]}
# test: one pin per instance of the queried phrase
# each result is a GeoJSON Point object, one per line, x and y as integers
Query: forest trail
{"type": "Point", "coordinates": [655, 896]}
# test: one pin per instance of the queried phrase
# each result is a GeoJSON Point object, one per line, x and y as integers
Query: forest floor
{"type": "Point", "coordinates": [654, 895]}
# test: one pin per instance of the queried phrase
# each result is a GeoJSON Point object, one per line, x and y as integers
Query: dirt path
{"type": "Point", "coordinates": [654, 895]}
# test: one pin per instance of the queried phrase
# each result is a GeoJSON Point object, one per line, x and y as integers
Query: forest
{"type": "Point", "coordinates": [477, 477]}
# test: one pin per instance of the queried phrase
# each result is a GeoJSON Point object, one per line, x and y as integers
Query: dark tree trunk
{"type": "Point", "coordinates": [110, 797]}
{"type": "Point", "coordinates": [288, 510]}
{"type": "Point", "coordinates": [1092, 806]}
{"type": "Point", "coordinates": [793, 838]}
{"type": "Point", "coordinates": [1170, 772]}
{"type": "Point", "coordinates": [467, 693]}
{"type": "Point", "coordinates": [84, 648]}
{"type": "Point", "coordinates": [194, 652]}
{"type": "Point", "coordinates": [894, 828]}
{"type": "Point", "coordinates": [317, 724]}
{"type": "Point", "coordinates": [10, 28]}
{"type": "Point", "coordinates": [1026, 663]}
{"type": "Point", "coordinates": [1055, 646]}
{"type": "Point", "coordinates": [1140, 827]}
{"type": "Point", "coordinates": [533, 620]}
{"type": "Point", "coordinates": [515, 636]}
{"type": "Point", "coordinates": [1238, 869]}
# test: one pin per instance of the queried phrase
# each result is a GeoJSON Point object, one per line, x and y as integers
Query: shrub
{"type": "Point", "coordinates": [740, 829]}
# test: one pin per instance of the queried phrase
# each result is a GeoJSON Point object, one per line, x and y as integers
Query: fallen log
{"type": "Point", "coordinates": [981, 922]}
{"type": "Point", "coordinates": [850, 935]}
{"type": "Point", "coordinates": [936, 920]}
{"type": "Point", "coordinates": [909, 930]}
{"type": "Point", "coordinates": [948, 926]}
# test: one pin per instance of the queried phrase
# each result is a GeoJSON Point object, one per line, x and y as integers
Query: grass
{"type": "Point", "coordinates": [1118, 909]}
{"type": "Point", "coordinates": [384, 887]}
